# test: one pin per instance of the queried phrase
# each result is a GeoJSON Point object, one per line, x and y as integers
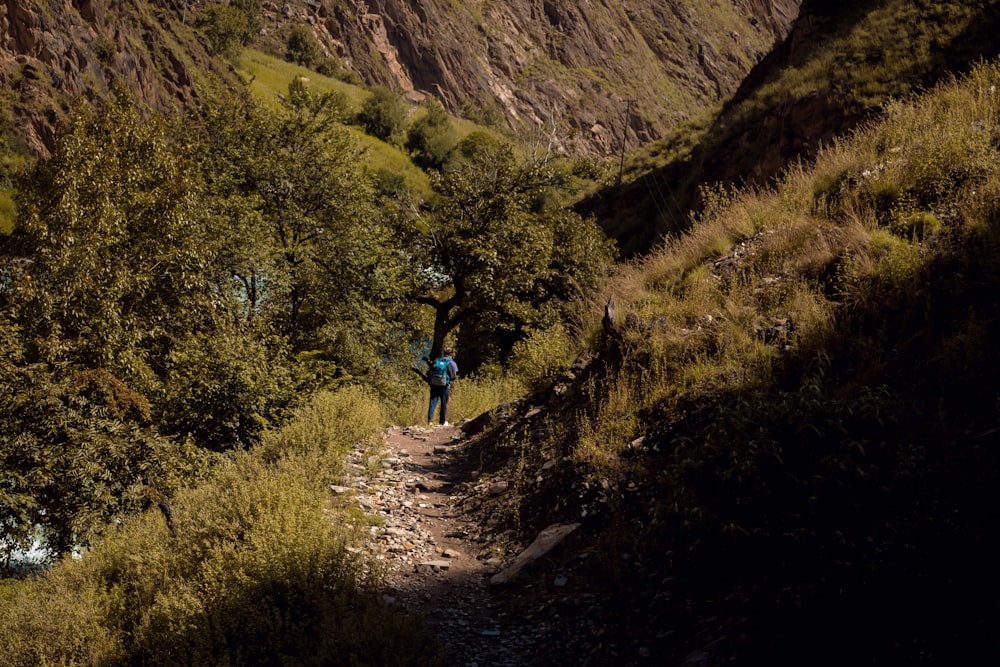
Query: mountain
{"type": "Point", "coordinates": [839, 65]}
{"type": "Point", "coordinates": [569, 71]}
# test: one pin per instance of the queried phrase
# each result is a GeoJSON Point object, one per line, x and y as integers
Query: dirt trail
{"type": "Point", "coordinates": [435, 552]}
{"type": "Point", "coordinates": [439, 561]}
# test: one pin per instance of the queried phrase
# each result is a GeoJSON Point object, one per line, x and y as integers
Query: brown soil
{"type": "Point", "coordinates": [440, 549]}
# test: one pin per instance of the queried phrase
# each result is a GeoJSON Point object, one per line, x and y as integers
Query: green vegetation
{"type": "Point", "coordinates": [812, 373]}
{"type": "Point", "coordinates": [792, 422]}
{"type": "Point", "coordinates": [263, 568]}
{"type": "Point", "coordinates": [228, 28]}
{"type": "Point", "coordinates": [303, 47]}
{"type": "Point", "coordinates": [383, 115]}
{"type": "Point", "coordinates": [495, 259]}
{"type": "Point", "coordinates": [176, 288]}
{"type": "Point", "coordinates": [432, 136]}
{"type": "Point", "coordinates": [268, 80]}
{"type": "Point", "coordinates": [851, 62]}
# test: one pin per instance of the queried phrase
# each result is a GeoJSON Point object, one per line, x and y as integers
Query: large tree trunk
{"type": "Point", "coordinates": [444, 321]}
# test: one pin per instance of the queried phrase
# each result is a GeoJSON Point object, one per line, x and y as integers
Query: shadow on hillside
{"type": "Point", "coordinates": [857, 523]}
{"type": "Point", "coordinates": [752, 148]}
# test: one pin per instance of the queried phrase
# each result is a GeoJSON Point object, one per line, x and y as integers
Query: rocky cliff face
{"type": "Point", "coordinates": [572, 71]}
{"type": "Point", "coordinates": [53, 52]}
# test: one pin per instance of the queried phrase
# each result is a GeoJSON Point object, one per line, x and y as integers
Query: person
{"type": "Point", "coordinates": [440, 384]}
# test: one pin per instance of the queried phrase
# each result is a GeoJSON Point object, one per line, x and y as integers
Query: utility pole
{"type": "Point", "coordinates": [621, 164]}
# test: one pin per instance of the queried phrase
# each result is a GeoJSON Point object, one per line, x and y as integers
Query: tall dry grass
{"type": "Point", "coordinates": [266, 568]}
{"type": "Point", "coordinates": [765, 272]}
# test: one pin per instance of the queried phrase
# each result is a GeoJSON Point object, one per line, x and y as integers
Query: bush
{"type": "Point", "coordinates": [327, 427]}
{"type": "Point", "coordinates": [226, 27]}
{"type": "Point", "coordinates": [432, 137]}
{"type": "Point", "coordinates": [542, 357]}
{"type": "Point", "coordinates": [224, 392]}
{"type": "Point", "coordinates": [303, 47]}
{"type": "Point", "coordinates": [383, 115]}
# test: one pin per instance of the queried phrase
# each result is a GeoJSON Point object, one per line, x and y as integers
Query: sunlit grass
{"type": "Point", "coordinates": [265, 565]}
{"type": "Point", "coordinates": [763, 271]}
{"type": "Point", "coordinates": [469, 397]}
{"type": "Point", "coordinates": [268, 79]}
{"type": "Point", "coordinates": [8, 212]}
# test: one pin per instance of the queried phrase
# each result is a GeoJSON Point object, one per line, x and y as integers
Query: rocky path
{"type": "Point", "coordinates": [437, 561]}
{"type": "Point", "coordinates": [442, 563]}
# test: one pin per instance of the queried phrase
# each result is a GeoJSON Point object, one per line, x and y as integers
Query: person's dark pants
{"type": "Point", "coordinates": [438, 394]}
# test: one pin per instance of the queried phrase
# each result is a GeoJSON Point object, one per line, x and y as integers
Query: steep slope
{"type": "Point", "coordinates": [569, 71]}
{"type": "Point", "coordinates": [787, 447]}
{"type": "Point", "coordinates": [53, 52]}
{"type": "Point", "coordinates": [840, 63]}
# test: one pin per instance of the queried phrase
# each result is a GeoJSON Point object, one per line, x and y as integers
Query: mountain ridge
{"type": "Point", "coordinates": [563, 68]}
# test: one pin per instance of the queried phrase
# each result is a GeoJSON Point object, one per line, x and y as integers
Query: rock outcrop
{"type": "Point", "coordinates": [574, 72]}
{"type": "Point", "coordinates": [56, 52]}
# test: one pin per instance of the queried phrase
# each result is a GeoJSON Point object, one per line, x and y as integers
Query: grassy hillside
{"type": "Point", "coordinates": [840, 66]}
{"type": "Point", "coordinates": [804, 402]}
{"type": "Point", "coordinates": [268, 77]}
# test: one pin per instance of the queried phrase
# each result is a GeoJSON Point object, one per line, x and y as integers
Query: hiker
{"type": "Point", "coordinates": [442, 373]}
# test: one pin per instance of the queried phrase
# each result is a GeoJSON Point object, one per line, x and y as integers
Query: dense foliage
{"type": "Point", "coordinates": [179, 286]}
{"type": "Point", "coordinates": [496, 258]}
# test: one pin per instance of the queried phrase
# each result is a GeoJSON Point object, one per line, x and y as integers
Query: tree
{"type": "Point", "coordinates": [129, 267]}
{"type": "Point", "coordinates": [492, 254]}
{"type": "Point", "coordinates": [303, 47]}
{"type": "Point", "coordinates": [77, 451]}
{"type": "Point", "coordinates": [383, 115]}
{"type": "Point", "coordinates": [432, 137]}
{"type": "Point", "coordinates": [115, 245]}
{"type": "Point", "coordinates": [226, 27]}
{"type": "Point", "coordinates": [325, 266]}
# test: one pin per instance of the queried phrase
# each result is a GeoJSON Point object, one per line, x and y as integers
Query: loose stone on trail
{"type": "Point", "coordinates": [420, 492]}
{"type": "Point", "coordinates": [433, 566]}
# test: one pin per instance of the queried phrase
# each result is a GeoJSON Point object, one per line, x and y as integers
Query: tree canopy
{"type": "Point", "coordinates": [177, 286]}
{"type": "Point", "coordinates": [494, 252]}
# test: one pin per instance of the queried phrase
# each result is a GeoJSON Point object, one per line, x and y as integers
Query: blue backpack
{"type": "Point", "coordinates": [439, 376]}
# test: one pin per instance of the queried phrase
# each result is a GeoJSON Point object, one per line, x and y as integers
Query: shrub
{"type": "Point", "coordinates": [918, 226]}
{"type": "Point", "coordinates": [383, 115]}
{"type": "Point", "coordinates": [303, 47]}
{"type": "Point", "coordinates": [8, 211]}
{"type": "Point", "coordinates": [432, 137]}
{"type": "Point", "coordinates": [226, 27]}
{"type": "Point", "coordinates": [224, 391]}
{"type": "Point", "coordinates": [327, 427]}
{"type": "Point", "coordinates": [542, 357]}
